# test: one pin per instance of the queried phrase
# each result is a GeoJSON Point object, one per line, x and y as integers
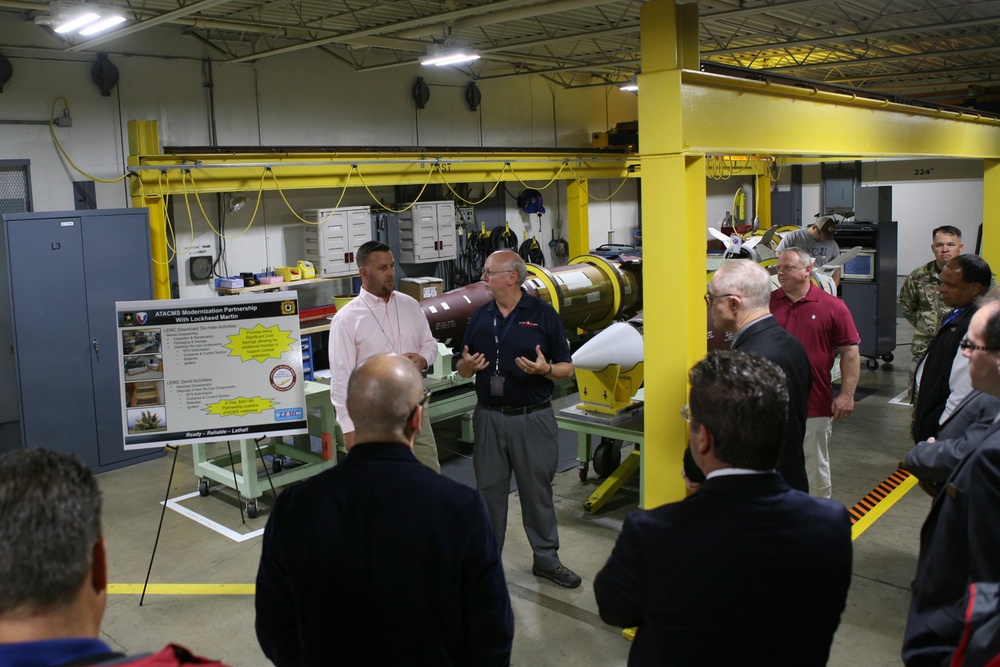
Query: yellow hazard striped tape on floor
{"type": "Point", "coordinates": [881, 498]}
{"type": "Point", "coordinates": [182, 589]}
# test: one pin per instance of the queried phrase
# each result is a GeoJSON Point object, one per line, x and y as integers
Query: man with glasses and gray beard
{"type": "Point", "coordinates": [516, 347]}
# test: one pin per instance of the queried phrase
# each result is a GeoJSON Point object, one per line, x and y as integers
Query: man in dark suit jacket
{"type": "Point", "coordinates": [934, 460]}
{"type": "Point", "coordinates": [739, 297]}
{"type": "Point", "coordinates": [960, 540]}
{"type": "Point", "coordinates": [380, 560]}
{"type": "Point", "coordinates": [942, 377]}
{"type": "Point", "coordinates": [745, 570]}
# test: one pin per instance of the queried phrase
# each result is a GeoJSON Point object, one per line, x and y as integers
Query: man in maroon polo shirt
{"type": "Point", "coordinates": [824, 326]}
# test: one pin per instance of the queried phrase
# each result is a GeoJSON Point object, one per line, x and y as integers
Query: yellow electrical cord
{"type": "Point", "coordinates": [343, 191]}
{"type": "Point", "coordinates": [187, 205]}
{"type": "Point", "coordinates": [55, 139]}
{"type": "Point", "coordinates": [197, 195]}
{"type": "Point", "coordinates": [518, 178]}
{"type": "Point", "coordinates": [485, 197]}
{"type": "Point", "coordinates": [405, 208]}
{"type": "Point", "coordinates": [595, 197]}
{"type": "Point", "coordinates": [166, 220]}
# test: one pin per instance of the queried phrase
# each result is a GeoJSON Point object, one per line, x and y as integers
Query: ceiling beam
{"type": "Point", "coordinates": [826, 40]}
{"type": "Point", "coordinates": [388, 28]}
{"type": "Point", "coordinates": [921, 55]}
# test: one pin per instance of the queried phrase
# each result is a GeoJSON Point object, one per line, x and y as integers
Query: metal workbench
{"type": "Point", "coordinates": [452, 396]}
{"type": "Point", "coordinates": [239, 470]}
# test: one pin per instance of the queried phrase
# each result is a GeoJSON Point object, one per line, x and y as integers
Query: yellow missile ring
{"type": "Point", "coordinates": [543, 274]}
{"type": "Point", "coordinates": [614, 275]}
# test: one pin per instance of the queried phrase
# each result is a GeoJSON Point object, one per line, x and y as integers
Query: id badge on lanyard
{"type": "Point", "coordinates": [497, 380]}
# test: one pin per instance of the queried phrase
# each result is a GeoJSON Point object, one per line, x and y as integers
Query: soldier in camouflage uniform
{"type": "Point", "coordinates": [920, 298]}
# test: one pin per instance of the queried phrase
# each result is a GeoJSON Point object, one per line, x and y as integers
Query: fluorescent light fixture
{"type": "Point", "coordinates": [69, 25]}
{"type": "Point", "coordinates": [107, 21]}
{"type": "Point", "coordinates": [66, 18]}
{"type": "Point", "coordinates": [440, 55]}
{"type": "Point", "coordinates": [631, 86]}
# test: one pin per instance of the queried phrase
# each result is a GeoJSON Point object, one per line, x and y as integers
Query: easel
{"type": "Point", "coordinates": [166, 498]}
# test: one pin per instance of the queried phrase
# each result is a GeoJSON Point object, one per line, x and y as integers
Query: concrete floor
{"type": "Point", "coordinates": [554, 626]}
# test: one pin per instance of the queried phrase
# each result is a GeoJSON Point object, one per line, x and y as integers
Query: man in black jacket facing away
{"type": "Point", "coordinates": [745, 571]}
{"type": "Point", "coordinates": [380, 560]}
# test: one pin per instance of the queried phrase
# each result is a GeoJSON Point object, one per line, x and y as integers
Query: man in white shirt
{"type": "Point", "coordinates": [380, 320]}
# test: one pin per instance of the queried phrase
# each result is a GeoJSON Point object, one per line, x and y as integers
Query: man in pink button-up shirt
{"type": "Point", "coordinates": [380, 320]}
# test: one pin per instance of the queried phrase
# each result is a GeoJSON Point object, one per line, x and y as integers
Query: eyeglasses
{"type": "Point", "coordinates": [709, 297]}
{"type": "Point", "coordinates": [686, 413]}
{"type": "Point", "coordinates": [489, 274]}
{"type": "Point", "coordinates": [423, 401]}
{"type": "Point", "coordinates": [967, 344]}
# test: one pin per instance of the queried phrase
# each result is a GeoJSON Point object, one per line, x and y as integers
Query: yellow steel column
{"type": "Point", "coordinates": [762, 198]}
{"type": "Point", "coordinates": [144, 139]}
{"type": "Point", "coordinates": [577, 218]}
{"type": "Point", "coordinates": [688, 53]}
{"type": "Point", "coordinates": [158, 244]}
{"type": "Point", "coordinates": [673, 249]}
{"type": "Point", "coordinates": [991, 213]}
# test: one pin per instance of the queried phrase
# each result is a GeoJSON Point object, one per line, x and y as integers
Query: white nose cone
{"type": "Point", "coordinates": [619, 344]}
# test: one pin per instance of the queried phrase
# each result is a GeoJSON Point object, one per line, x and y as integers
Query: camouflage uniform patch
{"type": "Point", "coordinates": [920, 301]}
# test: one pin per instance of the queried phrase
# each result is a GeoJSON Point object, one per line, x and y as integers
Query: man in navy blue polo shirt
{"type": "Point", "coordinates": [516, 347]}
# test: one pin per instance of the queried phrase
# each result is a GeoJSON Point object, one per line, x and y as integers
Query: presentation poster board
{"type": "Point", "coordinates": [206, 370]}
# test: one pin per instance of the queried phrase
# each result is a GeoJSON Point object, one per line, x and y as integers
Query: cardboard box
{"type": "Point", "coordinates": [422, 288]}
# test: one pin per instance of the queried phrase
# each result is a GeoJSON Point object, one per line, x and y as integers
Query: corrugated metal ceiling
{"type": "Point", "coordinates": [941, 50]}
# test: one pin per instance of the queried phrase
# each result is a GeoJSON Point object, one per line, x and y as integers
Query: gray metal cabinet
{"type": "Point", "coordinates": [872, 302]}
{"type": "Point", "coordinates": [65, 271]}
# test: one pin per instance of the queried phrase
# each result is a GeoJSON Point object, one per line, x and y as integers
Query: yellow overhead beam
{"type": "Point", "coordinates": [214, 173]}
{"type": "Point", "coordinates": [724, 114]}
{"type": "Point", "coordinates": [363, 172]}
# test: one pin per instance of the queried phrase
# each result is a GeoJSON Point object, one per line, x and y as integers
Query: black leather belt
{"type": "Point", "coordinates": [518, 410]}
